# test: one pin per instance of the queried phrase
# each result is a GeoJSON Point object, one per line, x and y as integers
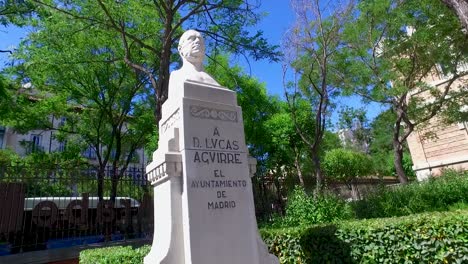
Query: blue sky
{"type": "Point", "coordinates": [279, 17]}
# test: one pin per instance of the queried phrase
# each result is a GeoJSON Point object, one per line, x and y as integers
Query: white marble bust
{"type": "Point", "coordinates": [192, 50]}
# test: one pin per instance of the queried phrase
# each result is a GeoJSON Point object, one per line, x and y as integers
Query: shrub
{"type": "Point", "coordinates": [425, 238]}
{"type": "Point", "coordinates": [436, 194]}
{"type": "Point", "coordinates": [346, 165]}
{"type": "Point", "coordinates": [304, 209]}
{"type": "Point", "coordinates": [285, 244]}
{"type": "Point", "coordinates": [114, 255]}
{"type": "Point", "coordinates": [7, 156]}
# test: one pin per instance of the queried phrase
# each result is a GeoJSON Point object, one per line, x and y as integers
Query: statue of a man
{"type": "Point", "coordinates": [192, 50]}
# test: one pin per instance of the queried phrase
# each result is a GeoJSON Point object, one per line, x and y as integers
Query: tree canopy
{"type": "Point", "coordinates": [147, 32]}
{"type": "Point", "coordinates": [392, 48]}
{"type": "Point", "coordinates": [312, 48]}
{"type": "Point", "coordinates": [77, 76]}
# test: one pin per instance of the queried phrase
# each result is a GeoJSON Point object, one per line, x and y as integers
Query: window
{"type": "Point", "coordinates": [62, 146]}
{"type": "Point", "coordinates": [2, 136]}
{"type": "Point", "coordinates": [113, 154]}
{"type": "Point", "coordinates": [36, 141]}
{"type": "Point", "coordinates": [90, 153]}
{"type": "Point", "coordinates": [62, 121]}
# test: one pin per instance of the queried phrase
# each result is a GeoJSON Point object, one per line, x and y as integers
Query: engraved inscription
{"type": "Point", "coordinates": [218, 150]}
{"type": "Point", "coordinates": [211, 113]}
{"type": "Point", "coordinates": [221, 200]}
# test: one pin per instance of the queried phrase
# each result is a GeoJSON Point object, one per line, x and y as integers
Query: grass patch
{"type": "Point", "coordinates": [114, 255]}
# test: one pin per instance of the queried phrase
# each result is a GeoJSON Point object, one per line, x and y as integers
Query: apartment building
{"type": "Point", "coordinates": [439, 145]}
{"type": "Point", "coordinates": [45, 141]}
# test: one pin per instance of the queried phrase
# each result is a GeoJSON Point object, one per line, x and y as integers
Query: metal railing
{"type": "Point", "coordinates": [47, 207]}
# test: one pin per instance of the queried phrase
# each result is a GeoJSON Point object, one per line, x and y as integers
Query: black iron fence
{"type": "Point", "coordinates": [271, 191]}
{"type": "Point", "coordinates": [46, 207]}
{"type": "Point", "coordinates": [270, 197]}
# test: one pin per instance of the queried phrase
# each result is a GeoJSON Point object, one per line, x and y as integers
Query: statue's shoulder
{"type": "Point", "coordinates": [175, 73]}
{"type": "Point", "coordinates": [176, 76]}
{"type": "Point", "coordinates": [180, 76]}
{"type": "Point", "coordinates": [206, 78]}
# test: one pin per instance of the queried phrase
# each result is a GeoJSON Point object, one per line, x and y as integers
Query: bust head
{"type": "Point", "coordinates": [192, 47]}
{"type": "Point", "coordinates": [192, 50]}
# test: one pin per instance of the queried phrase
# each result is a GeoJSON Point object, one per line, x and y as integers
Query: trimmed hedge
{"type": "Point", "coordinates": [425, 238]}
{"type": "Point", "coordinates": [114, 255]}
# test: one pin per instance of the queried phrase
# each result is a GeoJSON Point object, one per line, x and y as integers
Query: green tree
{"type": "Point", "coordinates": [381, 147]}
{"type": "Point", "coordinates": [392, 47]}
{"type": "Point", "coordinates": [4, 85]}
{"type": "Point", "coordinates": [77, 75]}
{"type": "Point", "coordinates": [346, 166]}
{"type": "Point", "coordinates": [381, 140]}
{"type": "Point", "coordinates": [13, 11]}
{"type": "Point", "coordinates": [10, 12]}
{"type": "Point", "coordinates": [312, 48]}
{"type": "Point", "coordinates": [460, 7]}
{"type": "Point", "coordinates": [148, 31]}
{"type": "Point", "coordinates": [287, 152]}
{"type": "Point", "coordinates": [257, 105]}
{"type": "Point", "coordinates": [456, 109]}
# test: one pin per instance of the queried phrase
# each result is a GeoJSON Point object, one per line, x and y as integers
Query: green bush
{"type": "Point", "coordinates": [114, 255]}
{"type": "Point", "coordinates": [285, 244]}
{"type": "Point", "coordinates": [346, 165]}
{"type": "Point", "coordinates": [304, 209]}
{"type": "Point", "coordinates": [436, 194]}
{"type": "Point", "coordinates": [424, 238]}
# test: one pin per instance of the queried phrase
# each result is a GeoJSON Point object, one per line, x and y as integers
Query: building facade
{"type": "Point", "coordinates": [438, 145]}
{"type": "Point", "coordinates": [46, 141]}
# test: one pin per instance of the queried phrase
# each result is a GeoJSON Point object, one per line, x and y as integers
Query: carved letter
{"type": "Point", "coordinates": [196, 142]}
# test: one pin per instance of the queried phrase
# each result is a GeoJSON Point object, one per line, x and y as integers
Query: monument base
{"type": "Point", "coordinates": [203, 200]}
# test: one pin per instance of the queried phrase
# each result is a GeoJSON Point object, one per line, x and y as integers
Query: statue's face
{"type": "Point", "coordinates": [192, 46]}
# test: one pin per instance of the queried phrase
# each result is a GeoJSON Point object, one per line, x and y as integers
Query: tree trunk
{"type": "Point", "coordinates": [100, 183]}
{"type": "Point", "coordinates": [398, 146]}
{"type": "Point", "coordinates": [398, 161]}
{"type": "Point", "coordinates": [298, 169]}
{"type": "Point", "coordinates": [318, 173]}
{"type": "Point", "coordinates": [115, 182]}
{"type": "Point", "coordinates": [461, 10]}
{"type": "Point", "coordinates": [165, 60]}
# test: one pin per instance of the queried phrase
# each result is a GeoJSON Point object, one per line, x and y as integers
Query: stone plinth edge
{"type": "Point", "coordinates": [252, 166]}
{"type": "Point", "coordinates": [158, 173]}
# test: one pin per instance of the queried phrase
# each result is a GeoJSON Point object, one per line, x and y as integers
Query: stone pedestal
{"type": "Point", "coordinates": [204, 208]}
